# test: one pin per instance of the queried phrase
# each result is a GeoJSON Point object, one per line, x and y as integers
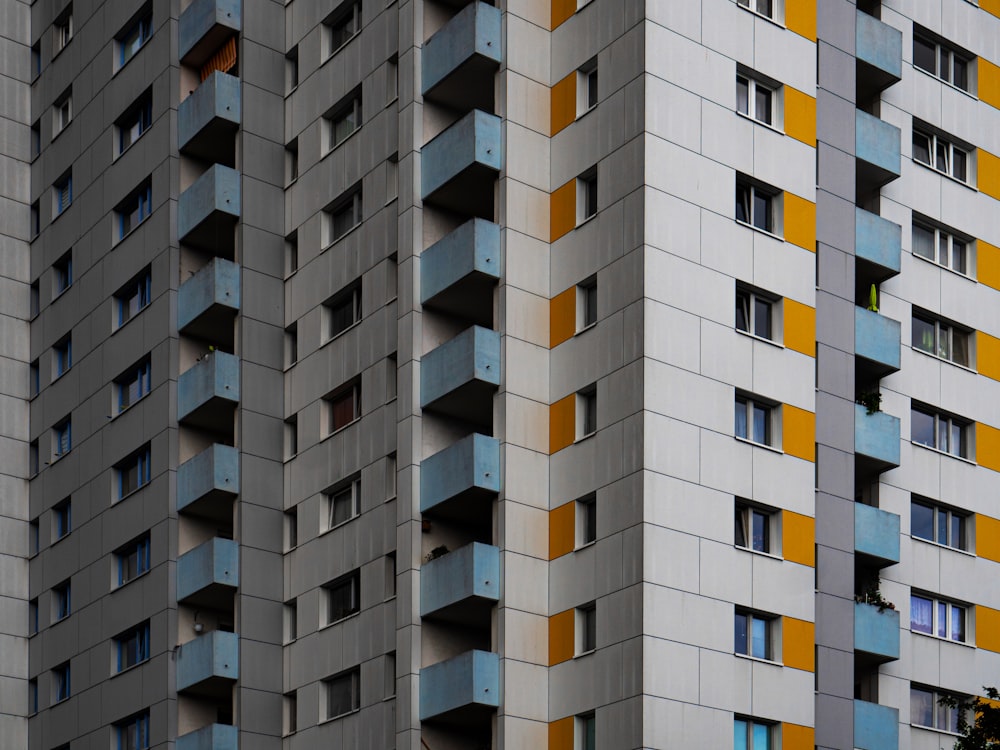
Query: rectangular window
{"type": "Point", "coordinates": [291, 436]}
{"type": "Point", "coordinates": [34, 379]}
{"type": "Point", "coordinates": [941, 247]}
{"type": "Point", "coordinates": [343, 504]}
{"type": "Point", "coordinates": [291, 69]}
{"type": "Point", "coordinates": [63, 354]}
{"type": "Point", "coordinates": [32, 696]}
{"type": "Point", "coordinates": [132, 647]}
{"type": "Point", "coordinates": [132, 385]}
{"type": "Point", "coordinates": [926, 710]}
{"type": "Point", "coordinates": [938, 524]}
{"type": "Point", "coordinates": [391, 80]}
{"type": "Point", "coordinates": [291, 161]}
{"type": "Point", "coordinates": [62, 601]}
{"type": "Point", "coordinates": [291, 253]}
{"type": "Point", "coordinates": [62, 112]}
{"type": "Point", "coordinates": [36, 138]}
{"type": "Point", "coordinates": [586, 628]}
{"type": "Point", "coordinates": [586, 87]}
{"type": "Point", "coordinates": [62, 271]}
{"type": "Point", "coordinates": [342, 217]}
{"type": "Point", "coordinates": [753, 420]}
{"type": "Point", "coordinates": [586, 412]}
{"type": "Point", "coordinates": [33, 616]}
{"type": "Point", "coordinates": [754, 206]}
{"type": "Point", "coordinates": [36, 60]}
{"type": "Point", "coordinates": [291, 620]}
{"type": "Point", "coordinates": [62, 30]}
{"type": "Point", "coordinates": [753, 528]}
{"type": "Point", "coordinates": [939, 339]}
{"type": "Point", "coordinates": [343, 597]}
{"type": "Point", "coordinates": [392, 180]}
{"type": "Point", "coordinates": [136, 121]}
{"type": "Point", "coordinates": [939, 431]}
{"type": "Point", "coordinates": [761, 7]}
{"type": "Point", "coordinates": [586, 520]}
{"type": "Point", "coordinates": [391, 377]}
{"type": "Point", "coordinates": [62, 194]}
{"type": "Point", "coordinates": [586, 304]}
{"type": "Point", "coordinates": [34, 537]}
{"type": "Point", "coordinates": [390, 675]}
{"type": "Point", "coordinates": [343, 408]}
{"type": "Point", "coordinates": [134, 210]}
{"type": "Point", "coordinates": [752, 635]}
{"type": "Point", "coordinates": [132, 560]}
{"type": "Point", "coordinates": [35, 219]}
{"type": "Point", "coordinates": [937, 617]}
{"type": "Point", "coordinates": [390, 477]}
{"type": "Point", "coordinates": [290, 704]}
{"type": "Point", "coordinates": [133, 733]}
{"type": "Point", "coordinates": [61, 683]}
{"type": "Point", "coordinates": [291, 529]}
{"type": "Point", "coordinates": [343, 693]}
{"type": "Point", "coordinates": [750, 734]}
{"type": "Point", "coordinates": [585, 731]}
{"type": "Point", "coordinates": [62, 519]}
{"type": "Point", "coordinates": [938, 153]}
{"type": "Point", "coordinates": [342, 26]}
{"type": "Point", "coordinates": [941, 61]}
{"type": "Point", "coordinates": [62, 438]}
{"type": "Point", "coordinates": [754, 313]}
{"type": "Point", "coordinates": [390, 575]}
{"type": "Point", "coordinates": [133, 297]}
{"type": "Point", "coordinates": [33, 457]}
{"type": "Point", "coordinates": [586, 196]}
{"type": "Point", "coordinates": [756, 100]}
{"type": "Point", "coordinates": [133, 472]}
{"type": "Point", "coordinates": [132, 39]}
{"type": "Point", "coordinates": [341, 311]}
{"type": "Point", "coordinates": [343, 120]}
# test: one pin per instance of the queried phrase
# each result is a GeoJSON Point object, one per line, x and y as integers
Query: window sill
{"type": "Point", "coordinates": [947, 176]}
{"type": "Point", "coordinates": [585, 328]}
{"type": "Point", "coordinates": [329, 435]}
{"type": "Point", "coordinates": [934, 729]}
{"type": "Point", "coordinates": [770, 20]}
{"type": "Point", "coordinates": [56, 216]}
{"type": "Point", "coordinates": [127, 495]}
{"type": "Point", "coordinates": [584, 437]}
{"type": "Point", "coordinates": [62, 291]}
{"type": "Point", "coordinates": [334, 53]}
{"type": "Point", "coordinates": [337, 526]}
{"type": "Point", "coordinates": [59, 457]}
{"type": "Point", "coordinates": [583, 654]}
{"type": "Point", "coordinates": [963, 644]}
{"type": "Point", "coordinates": [755, 337]}
{"type": "Point", "coordinates": [120, 586]}
{"type": "Point", "coordinates": [752, 551]}
{"type": "Point", "coordinates": [586, 220]}
{"type": "Point", "coordinates": [757, 659]}
{"type": "Point", "coordinates": [54, 542]}
{"type": "Point", "coordinates": [129, 669]}
{"type": "Point", "coordinates": [338, 334]}
{"type": "Point", "coordinates": [119, 326]}
{"type": "Point", "coordinates": [341, 620]}
{"type": "Point", "coordinates": [131, 231]}
{"type": "Point", "coordinates": [759, 230]}
{"type": "Point", "coordinates": [759, 445]}
{"type": "Point", "coordinates": [61, 130]}
{"type": "Point", "coordinates": [944, 361]}
{"type": "Point", "coordinates": [286, 459]}
{"type": "Point", "coordinates": [580, 115]}
{"type": "Point", "coordinates": [119, 66]}
{"type": "Point", "coordinates": [943, 267]}
{"type": "Point", "coordinates": [119, 153]}
{"type": "Point", "coordinates": [127, 408]}
{"type": "Point", "coordinates": [338, 716]}
{"type": "Point", "coordinates": [943, 453]}
{"type": "Point", "coordinates": [335, 240]}
{"type": "Point", "coordinates": [763, 124]}
{"type": "Point", "coordinates": [932, 543]}
{"type": "Point", "coordinates": [585, 545]}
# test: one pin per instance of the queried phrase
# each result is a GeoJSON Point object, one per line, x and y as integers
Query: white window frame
{"type": "Point", "coordinates": [753, 297]}
{"type": "Point", "coordinates": [752, 84]}
{"type": "Point", "coordinates": [951, 517]}
{"type": "Point", "coordinates": [354, 686]}
{"type": "Point", "coordinates": [744, 515]}
{"type": "Point", "coordinates": [772, 639]}
{"type": "Point", "coordinates": [586, 75]}
{"type": "Point", "coordinates": [946, 241]}
{"type": "Point", "coordinates": [586, 304]}
{"type": "Point", "coordinates": [947, 54]}
{"type": "Point", "coordinates": [586, 411]}
{"type": "Point", "coordinates": [586, 196]}
{"type": "Point", "coordinates": [751, 723]}
{"type": "Point", "coordinates": [937, 604]}
{"type": "Point", "coordinates": [581, 736]}
{"type": "Point", "coordinates": [944, 331]}
{"type": "Point", "coordinates": [351, 492]}
{"type": "Point", "coordinates": [753, 6]}
{"type": "Point", "coordinates": [965, 438]}
{"type": "Point", "coordinates": [937, 711]}
{"type": "Point", "coordinates": [62, 114]}
{"type": "Point", "coordinates": [934, 141]}
{"type": "Point", "coordinates": [62, 32]}
{"type": "Point", "coordinates": [771, 429]}
{"type": "Point", "coordinates": [585, 616]}
{"type": "Point", "coordinates": [772, 207]}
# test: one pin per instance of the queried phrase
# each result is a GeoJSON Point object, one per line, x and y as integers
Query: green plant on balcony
{"type": "Point", "coordinates": [873, 596]}
{"type": "Point", "coordinates": [871, 400]}
{"type": "Point", "coordinates": [873, 300]}
{"type": "Point", "coordinates": [983, 733]}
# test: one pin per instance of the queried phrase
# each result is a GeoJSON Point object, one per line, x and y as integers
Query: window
{"type": "Point", "coordinates": [62, 519]}
{"type": "Point", "coordinates": [32, 696]}
{"type": "Point", "coordinates": [33, 458]}
{"type": "Point", "coordinates": [756, 100]}
{"type": "Point", "coordinates": [62, 603]}
{"type": "Point", "coordinates": [62, 273]}
{"type": "Point", "coordinates": [343, 120]}
{"type": "Point", "coordinates": [132, 386]}
{"type": "Point", "coordinates": [36, 60]}
{"type": "Point", "coordinates": [926, 710]}
{"type": "Point", "coordinates": [33, 616]}
{"type": "Point", "coordinates": [941, 61]}
{"type": "Point", "coordinates": [291, 436]}
{"type": "Point", "coordinates": [36, 226]}
{"type": "Point", "coordinates": [62, 193]}
{"type": "Point", "coordinates": [586, 520]}
{"type": "Point", "coordinates": [938, 153]}
{"type": "Point", "coordinates": [392, 179]}
{"type": "Point", "coordinates": [938, 618]}
{"type": "Point", "coordinates": [343, 693]}
{"type": "Point", "coordinates": [133, 560]}
{"type": "Point", "coordinates": [586, 412]}
{"type": "Point", "coordinates": [133, 732]}
{"type": "Point", "coordinates": [341, 505]}
{"type": "Point", "coordinates": [939, 339]}
{"type": "Point", "coordinates": [62, 438]}
{"type": "Point", "coordinates": [585, 731]}
{"type": "Point", "coordinates": [390, 477]}
{"type": "Point", "coordinates": [291, 254]}
{"type": "Point", "coordinates": [133, 472]}
{"type": "Point", "coordinates": [132, 647]}
{"type": "Point", "coordinates": [754, 313]}
{"type": "Point", "coordinates": [343, 408]}
{"type": "Point", "coordinates": [62, 30]}
{"type": "Point", "coordinates": [133, 297]}
{"type": "Point", "coordinates": [34, 537]}
{"type": "Point", "coordinates": [63, 354]}
{"type": "Point", "coordinates": [342, 217]}
{"type": "Point", "coordinates": [941, 247]}
{"type": "Point", "coordinates": [586, 304]}
{"type": "Point", "coordinates": [586, 196]}
{"type": "Point", "coordinates": [33, 294]}
{"type": "Point", "coordinates": [62, 112]}
{"type": "Point", "coordinates": [935, 523]}
{"type": "Point", "coordinates": [289, 710]}
{"type": "Point", "coordinates": [750, 734]}
{"type": "Point", "coordinates": [292, 161]}
{"type": "Point", "coordinates": [131, 40]}
{"type": "Point", "coordinates": [753, 420]}
{"type": "Point", "coordinates": [292, 69]}
{"type": "Point", "coordinates": [341, 26]}
{"type": "Point", "coordinates": [586, 628]}
{"type": "Point", "coordinates": [342, 597]}
{"type": "Point", "coordinates": [391, 377]}
{"type": "Point", "coordinates": [136, 121]}
{"type": "Point", "coordinates": [36, 139]}
{"type": "Point", "coordinates": [390, 576]}
{"type": "Point", "coordinates": [391, 80]}
{"type": "Point", "coordinates": [586, 87]}
{"type": "Point", "coordinates": [390, 675]}
{"type": "Point", "coordinates": [755, 206]}
{"type": "Point", "coordinates": [134, 210]}
{"type": "Point", "coordinates": [752, 635]}
{"type": "Point", "coordinates": [939, 431]}
{"type": "Point", "coordinates": [753, 528]}
{"type": "Point", "coordinates": [291, 529]}
{"type": "Point", "coordinates": [342, 311]}
{"type": "Point", "coordinates": [61, 682]}
{"type": "Point", "coordinates": [291, 620]}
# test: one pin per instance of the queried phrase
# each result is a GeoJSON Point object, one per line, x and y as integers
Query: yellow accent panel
{"type": "Point", "coordinates": [562, 317]}
{"type": "Point", "coordinates": [989, 82]}
{"type": "Point", "coordinates": [987, 446]}
{"type": "Point", "coordinates": [991, 6]}
{"type": "Point", "coordinates": [562, 530]}
{"type": "Point", "coordinates": [562, 210]}
{"type": "Point", "coordinates": [562, 10]}
{"type": "Point", "coordinates": [798, 432]}
{"type": "Point", "coordinates": [798, 642]}
{"type": "Point", "coordinates": [989, 173]}
{"type": "Point", "coordinates": [987, 628]}
{"type": "Point", "coordinates": [563, 103]}
{"type": "Point", "coordinates": [800, 222]}
{"type": "Point", "coordinates": [798, 538]}
{"type": "Point", "coordinates": [561, 643]}
{"type": "Point", "coordinates": [562, 423]}
{"type": "Point", "coordinates": [988, 355]}
{"type": "Point", "coordinates": [796, 737]}
{"type": "Point", "coordinates": [988, 538]}
{"type": "Point", "coordinates": [988, 264]}
{"type": "Point", "coordinates": [800, 327]}
{"type": "Point", "coordinates": [800, 17]}
{"type": "Point", "coordinates": [800, 116]}
{"type": "Point", "coordinates": [561, 734]}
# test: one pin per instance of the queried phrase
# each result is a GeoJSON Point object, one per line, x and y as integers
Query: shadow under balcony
{"type": "Point", "coordinates": [460, 166]}
{"type": "Point", "coordinates": [204, 26]}
{"type": "Point", "coordinates": [208, 392]}
{"type": "Point", "coordinates": [461, 481]}
{"type": "Point", "coordinates": [459, 272]}
{"type": "Point", "coordinates": [208, 575]}
{"type": "Point", "coordinates": [878, 54]}
{"type": "Point", "coordinates": [877, 245]}
{"type": "Point", "coordinates": [461, 690]}
{"type": "Point", "coordinates": [460, 60]}
{"type": "Point", "coordinates": [876, 146]}
{"type": "Point", "coordinates": [209, 300]}
{"type": "Point", "coordinates": [208, 483]}
{"type": "Point", "coordinates": [208, 119]}
{"type": "Point", "coordinates": [460, 377]}
{"type": "Point", "coordinates": [461, 586]}
{"type": "Point", "coordinates": [208, 210]}
{"type": "Point", "coordinates": [209, 664]}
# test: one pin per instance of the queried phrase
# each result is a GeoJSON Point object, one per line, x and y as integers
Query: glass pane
{"type": "Point", "coordinates": [759, 638]}
{"type": "Point", "coordinates": [957, 537]}
{"type": "Point", "coordinates": [342, 507]}
{"type": "Point", "coordinates": [739, 735]}
{"type": "Point", "coordinates": [942, 526]}
{"type": "Point", "coordinates": [941, 158]}
{"type": "Point", "coordinates": [921, 148]}
{"type": "Point", "coordinates": [922, 428]}
{"type": "Point", "coordinates": [742, 203]}
{"type": "Point", "coordinates": [590, 521]}
{"type": "Point", "coordinates": [942, 434]}
{"type": "Point", "coordinates": [960, 348]}
{"type": "Point", "coordinates": [923, 55]}
{"type": "Point", "coordinates": [922, 333]}
{"type": "Point", "coordinates": [943, 63]}
{"type": "Point", "coordinates": [740, 635]}
{"type": "Point", "coordinates": [742, 95]}
{"type": "Point", "coordinates": [956, 445]}
{"type": "Point", "coordinates": [765, 7]}
{"type": "Point", "coordinates": [760, 424]}
{"type": "Point", "coordinates": [761, 737]}
{"type": "Point", "coordinates": [958, 168]}
{"type": "Point", "coordinates": [342, 316]}
{"type": "Point", "coordinates": [922, 521]}
{"type": "Point", "coordinates": [944, 342]}
{"type": "Point", "coordinates": [760, 531]}
{"type": "Point", "coordinates": [957, 623]}
{"type": "Point", "coordinates": [740, 528]}
{"type": "Point", "coordinates": [958, 256]}
{"type": "Point", "coordinates": [761, 211]}
{"type": "Point", "coordinates": [762, 99]}
{"type": "Point", "coordinates": [743, 311]}
{"type": "Point", "coordinates": [921, 707]}
{"type": "Point", "coordinates": [960, 74]}
{"type": "Point", "coordinates": [921, 615]}
{"type": "Point", "coordinates": [947, 718]}
{"type": "Point", "coordinates": [741, 418]}
{"type": "Point", "coordinates": [942, 620]}
{"type": "Point", "coordinates": [343, 411]}
{"type": "Point", "coordinates": [762, 318]}
{"type": "Point", "coordinates": [923, 242]}
{"type": "Point", "coordinates": [590, 309]}
{"type": "Point", "coordinates": [592, 89]}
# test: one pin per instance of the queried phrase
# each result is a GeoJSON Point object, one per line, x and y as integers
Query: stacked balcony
{"type": "Point", "coordinates": [459, 272]}
{"type": "Point", "coordinates": [208, 210]}
{"type": "Point", "coordinates": [208, 392]}
{"type": "Point", "coordinates": [875, 727]}
{"type": "Point", "coordinates": [876, 631]}
{"type": "Point", "coordinates": [459, 377]}
{"type": "Point", "coordinates": [877, 244]}
{"type": "Point", "coordinates": [879, 54]}
{"type": "Point", "coordinates": [204, 26]}
{"type": "Point", "coordinates": [208, 573]}
{"type": "Point", "coordinates": [463, 53]}
{"type": "Point", "coordinates": [462, 690]}
{"type": "Point", "coordinates": [212, 737]}
{"type": "Point", "coordinates": [209, 300]}
{"type": "Point", "coordinates": [457, 481]}
{"type": "Point", "coordinates": [208, 482]}
{"type": "Point", "coordinates": [876, 439]}
{"type": "Point", "coordinates": [209, 118]}
{"type": "Point", "coordinates": [461, 165]}
{"type": "Point", "coordinates": [208, 664]}
{"type": "Point", "coordinates": [462, 586]}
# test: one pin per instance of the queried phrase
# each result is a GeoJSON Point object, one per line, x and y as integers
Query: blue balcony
{"type": "Point", "coordinates": [876, 338]}
{"type": "Point", "coordinates": [207, 120]}
{"type": "Point", "coordinates": [208, 210]}
{"type": "Point", "coordinates": [204, 26]}
{"type": "Point", "coordinates": [460, 60]}
{"type": "Point", "coordinates": [209, 664]}
{"type": "Point", "coordinates": [207, 483]}
{"type": "Point", "coordinates": [876, 634]}
{"type": "Point", "coordinates": [878, 243]}
{"type": "Point", "coordinates": [875, 727]}
{"type": "Point", "coordinates": [879, 51]}
{"type": "Point", "coordinates": [459, 272]}
{"type": "Point", "coordinates": [876, 145]}
{"type": "Point", "coordinates": [876, 534]}
{"type": "Point", "coordinates": [207, 393]}
{"type": "Point", "coordinates": [460, 376]}
{"type": "Point", "coordinates": [212, 737]}
{"type": "Point", "coordinates": [460, 166]}
{"type": "Point", "coordinates": [876, 441]}
{"type": "Point", "coordinates": [209, 574]}
{"type": "Point", "coordinates": [455, 481]}
{"type": "Point", "coordinates": [460, 689]}
{"type": "Point", "coordinates": [208, 301]}
{"type": "Point", "coordinates": [461, 586]}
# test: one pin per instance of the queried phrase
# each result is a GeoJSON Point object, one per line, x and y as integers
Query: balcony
{"type": "Point", "coordinates": [876, 440]}
{"type": "Point", "coordinates": [460, 690]}
{"type": "Point", "coordinates": [207, 483]}
{"type": "Point", "coordinates": [207, 393]}
{"type": "Point", "coordinates": [204, 26]}
{"type": "Point", "coordinates": [460, 165]}
{"type": "Point", "coordinates": [876, 534]}
{"type": "Point", "coordinates": [876, 340]}
{"type": "Point", "coordinates": [208, 211]}
{"type": "Point", "coordinates": [208, 301]}
{"type": "Point", "coordinates": [459, 272]}
{"type": "Point", "coordinates": [879, 51]}
{"type": "Point", "coordinates": [460, 60]}
{"type": "Point", "coordinates": [461, 586]}
{"type": "Point", "coordinates": [208, 665]}
{"type": "Point", "coordinates": [876, 145]}
{"type": "Point", "coordinates": [876, 634]}
{"type": "Point", "coordinates": [212, 737]}
{"type": "Point", "coordinates": [460, 376]}
{"type": "Point", "coordinates": [875, 727]}
{"type": "Point", "coordinates": [208, 575]}
{"type": "Point", "coordinates": [208, 120]}
{"type": "Point", "coordinates": [878, 243]}
{"type": "Point", "coordinates": [459, 480]}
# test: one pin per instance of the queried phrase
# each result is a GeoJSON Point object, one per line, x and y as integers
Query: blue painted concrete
{"type": "Point", "coordinates": [215, 192]}
{"type": "Point", "coordinates": [879, 45]}
{"type": "Point", "coordinates": [214, 563]}
{"type": "Point", "coordinates": [876, 633]}
{"type": "Point", "coordinates": [203, 25]}
{"type": "Point", "coordinates": [216, 376]}
{"type": "Point", "coordinates": [472, 678]}
{"type": "Point", "coordinates": [876, 533]}
{"type": "Point", "coordinates": [212, 737]}
{"type": "Point", "coordinates": [473, 248]}
{"type": "Point", "coordinates": [218, 283]}
{"type": "Point", "coordinates": [471, 463]}
{"type": "Point", "coordinates": [214, 470]}
{"type": "Point", "coordinates": [876, 337]}
{"type": "Point", "coordinates": [876, 435]}
{"type": "Point", "coordinates": [877, 142]}
{"type": "Point", "coordinates": [216, 99]}
{"type": "Point", "coordinates": [877, 240]}
{"type": "Point", "coordinates": [875, 727]}
{"type": "Point", "coordinates": [472, 571]}
{"type": "Point", "coordinates": [473, 140]}
{"type": "Point", "coordinates": [474, 31]}
{"type": "Point", "coordinates": [209, 656]}
{"type": "Point", "coordinates": [473, 355]}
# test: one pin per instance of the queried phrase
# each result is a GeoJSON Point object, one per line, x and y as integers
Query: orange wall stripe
{"type": "Point", "coordinates": [562, 317]}
{"type": "Point", "coordinates": [798, 538]}
{"type": "Point", "coordinates": [988, 538]}
{"type": "Point", "coordinates": [799, 327]}
{"type": "Point", "coordinates": [800, 116]}
{"type": "Point", "coordinates": [988, 355]}
{"type": "Point", "coordinates": [800, 17]}
{"type": "Point", "coordinates": [561, 642]}
{"type": "Point", "coordinates": [798, 642]}
{"type": "Point", "coordinates": [562, 530]}
{"type": "Point", "coordinates": [563, 110]}
{"type": "Point", "coordinates": [987, 446]}
{"type": "Point", "coordinates": [800, 222]}
{"type": "Point", "coordinates": [991, 6]}
{"type": "Point", "coordinates": [989, 82]}
{"type": "Point", "coordinates": [989, 173]}
{"type": "Point", "coordinates": [988, 264]}
{"type": "Point", "coordinates": [561, 734]}
{"type": "Point", "coordinates": [796, 737]}
{"type": "Point", "coordinates": [562, 423]}
{"type": "Point", "coordinates": [562, 10]}
{"type": "Point", "coordinates": [987, 628]}
{"type": "Point", "coordinates": [562, 210]}
{"type": "Point", "coordinates": [798, 432]}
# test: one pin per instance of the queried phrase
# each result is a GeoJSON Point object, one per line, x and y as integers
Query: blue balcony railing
{"type": "Point", "coordinates": [876, 338]}
{"type": "Point", "coordinates": [460, 166]}
{"type": "Point", "coordinates": [459, 272]}
{"type": "Point", "coordinates": [209, 118]}
{"type": "Point", "coordinates": [207, 392]}
{"type": "Point", "coordinates": [876, 534]}
{"type": "Point", "coordinates": [209, 574]}
{"type": "Point", "coordinates": [208, 662]}
{"type": "Point", "coordinates": [876, 437]}
{"type": "Point", "coordinates": [461, 584]}
{"type": "Point", "coordinates": [878, 242]}
{"type": "Point", "coordinates": [876, 634]}
{"type": "Point", "coordinates": [467, 684]}
{"type": "Point", "coordinates": [207, 302]}
{"type": "Point", "coordinates": [204, 26]}
{"type": "Point", "coordinates": [460, 376]}
{"type": "Point", "coordinates": [207, 483]}
{"type": "Point", "coordinates": [875, 727]}
{"type": "Point", "coordinates": [466, 471]}
{"type": "Point", "coordinates": [209, 209]}
{"type": "Point", "coordinates": [458, 63]}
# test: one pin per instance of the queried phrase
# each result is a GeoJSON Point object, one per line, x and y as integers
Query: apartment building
{"type": "Point", "coordinates": [437, 374]}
